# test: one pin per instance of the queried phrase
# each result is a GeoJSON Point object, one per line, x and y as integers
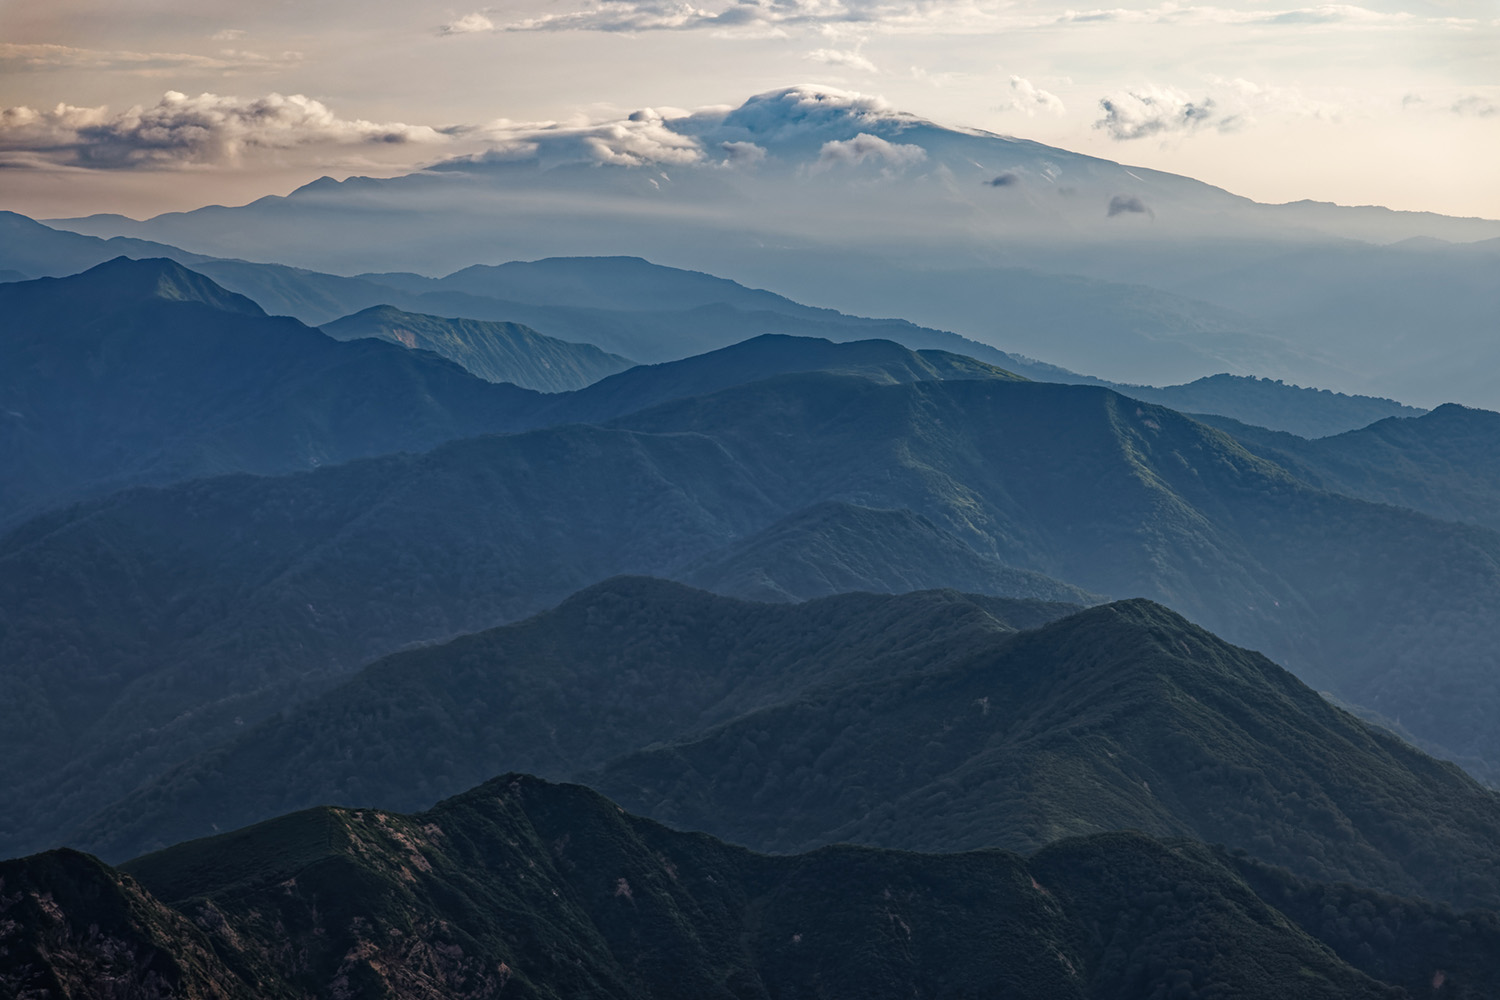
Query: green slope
{"type": "Point", "coordinates": [624, 664]}
{"type": "Point", "coordinates": [520, 888]}
{"type": "Point", "coordinates": [496, 352]}
{"type": "Point", "coordinates": [1123, 716]}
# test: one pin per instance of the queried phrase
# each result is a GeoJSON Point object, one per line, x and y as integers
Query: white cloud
{"type": "Point", "coordinates": [1138, 114]}
{"type": "Point", "coordinates": [228, 35]}
{"type": "Point", "coordinates": [42, 58]}
{"type": "Point", "coordinates": [182, 131]}
{"type": "Point", "coordinates": [843, 58]}
{"type": "Point", "coordinates": [469, 24]}
{"type": "Point", "coordinates": [868, 148]}
{"type": "Point", "coordinates": [1030, 99]}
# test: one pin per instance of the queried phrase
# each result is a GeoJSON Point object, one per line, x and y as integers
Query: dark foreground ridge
{"type": "Point", "coordinates": [521, 888]}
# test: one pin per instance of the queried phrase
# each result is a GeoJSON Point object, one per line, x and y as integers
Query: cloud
{"type": "Point", "coordinates": [1007, 179]}
{"type": "Point", "coordinates": [1138, 114]}
{"type": "Point", "coordinates": [1474, 106]}
{"type": "Point", "coordinates": [643, 139]}
{"type": "Point", "coordinates": [228, 35]}
{"type": "Point", "coordinates": [182, 131]}
{"type": "Point", "coordinates": [469, 24]}
{"type": "Point", "coordinates": [868, 148]}
{"type": "Point", "coordinates": [1029, 99]}
{"type": "Point", "coordinates": [43, 58]}
{"type": "Point", "coordinates": [845, 59]}
{"type": "Point", "coordinates": [1128, 204]}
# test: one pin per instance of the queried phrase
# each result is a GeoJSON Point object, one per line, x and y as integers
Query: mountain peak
{"type": "Point", "coordinates": [127, 279]}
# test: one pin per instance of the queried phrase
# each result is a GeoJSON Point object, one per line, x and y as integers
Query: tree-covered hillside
{"type": "Point", "coordinates": [140, 628]}
{"type": "Point", "coordinates": [622, 665]}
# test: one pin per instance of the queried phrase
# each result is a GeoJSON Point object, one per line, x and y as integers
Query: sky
{"type": "Point", "coordinates": [163, 105]}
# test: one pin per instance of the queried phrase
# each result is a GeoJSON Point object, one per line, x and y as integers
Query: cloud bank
{"type": "Point", "coordinates": [181, 131]}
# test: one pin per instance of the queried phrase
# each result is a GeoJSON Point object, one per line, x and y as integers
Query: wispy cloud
{"type": "Point", "coordinates": [469, 24]}
{"type": "Point", "coordinates": [843, 58]}
{"type": "Point", "coordinates": [1128, 204]}
{"type": "Point", "coordinates": [41, 58]}
{"type": "Point", "coordinates": [181, 131]}
{"type": "Point", "coordinates": [753, 16]}
{"type": "Point", "coordinates": [758, 18]}
{"type": "Point", "coordinates": [1474, 106]}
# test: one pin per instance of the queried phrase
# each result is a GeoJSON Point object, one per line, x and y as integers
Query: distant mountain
{"type": "Point", "coordinates": [28, 249]}
{"type": "Point", "coordinates": [621, 304]}
{"type": "Point", "coordinates": [552, 891]}
{"type": "Point", "coordinates": [143, 372]}
{"type": "Point", "coordinates": [1131, 274]}
{"type": "Point", "coordinates": [1445, 463]}
{"type": "Point", "coordinates": [624, 664]}
{"type": "Point", "coordinates": [496, 352]}
{"type": "Point", "coordinates": [1308, 413]}
{"type": "Point", "coordinates": [655, 327]}
{"type": "Point", "coordinates": [111, 609]}
{"type": "Point", "coordinates": [1121, 717]}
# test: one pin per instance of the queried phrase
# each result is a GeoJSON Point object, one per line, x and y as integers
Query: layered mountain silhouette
{"type": "Point", "coordinates": [537, 890]}
{"type": "Point", "coordinates": [183, 378]}
{"type": "Point", "coordinates": [346, 564]}
{"type": "Point", "coordinates": [688, 312]}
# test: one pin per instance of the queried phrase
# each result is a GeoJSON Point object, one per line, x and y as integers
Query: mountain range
{"type": "Point", "coordinates": [112, 608]}
{"type": "Point", "coordinates": [855, 206]}
{"type": "Point", "coordinates": [656, 314]}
